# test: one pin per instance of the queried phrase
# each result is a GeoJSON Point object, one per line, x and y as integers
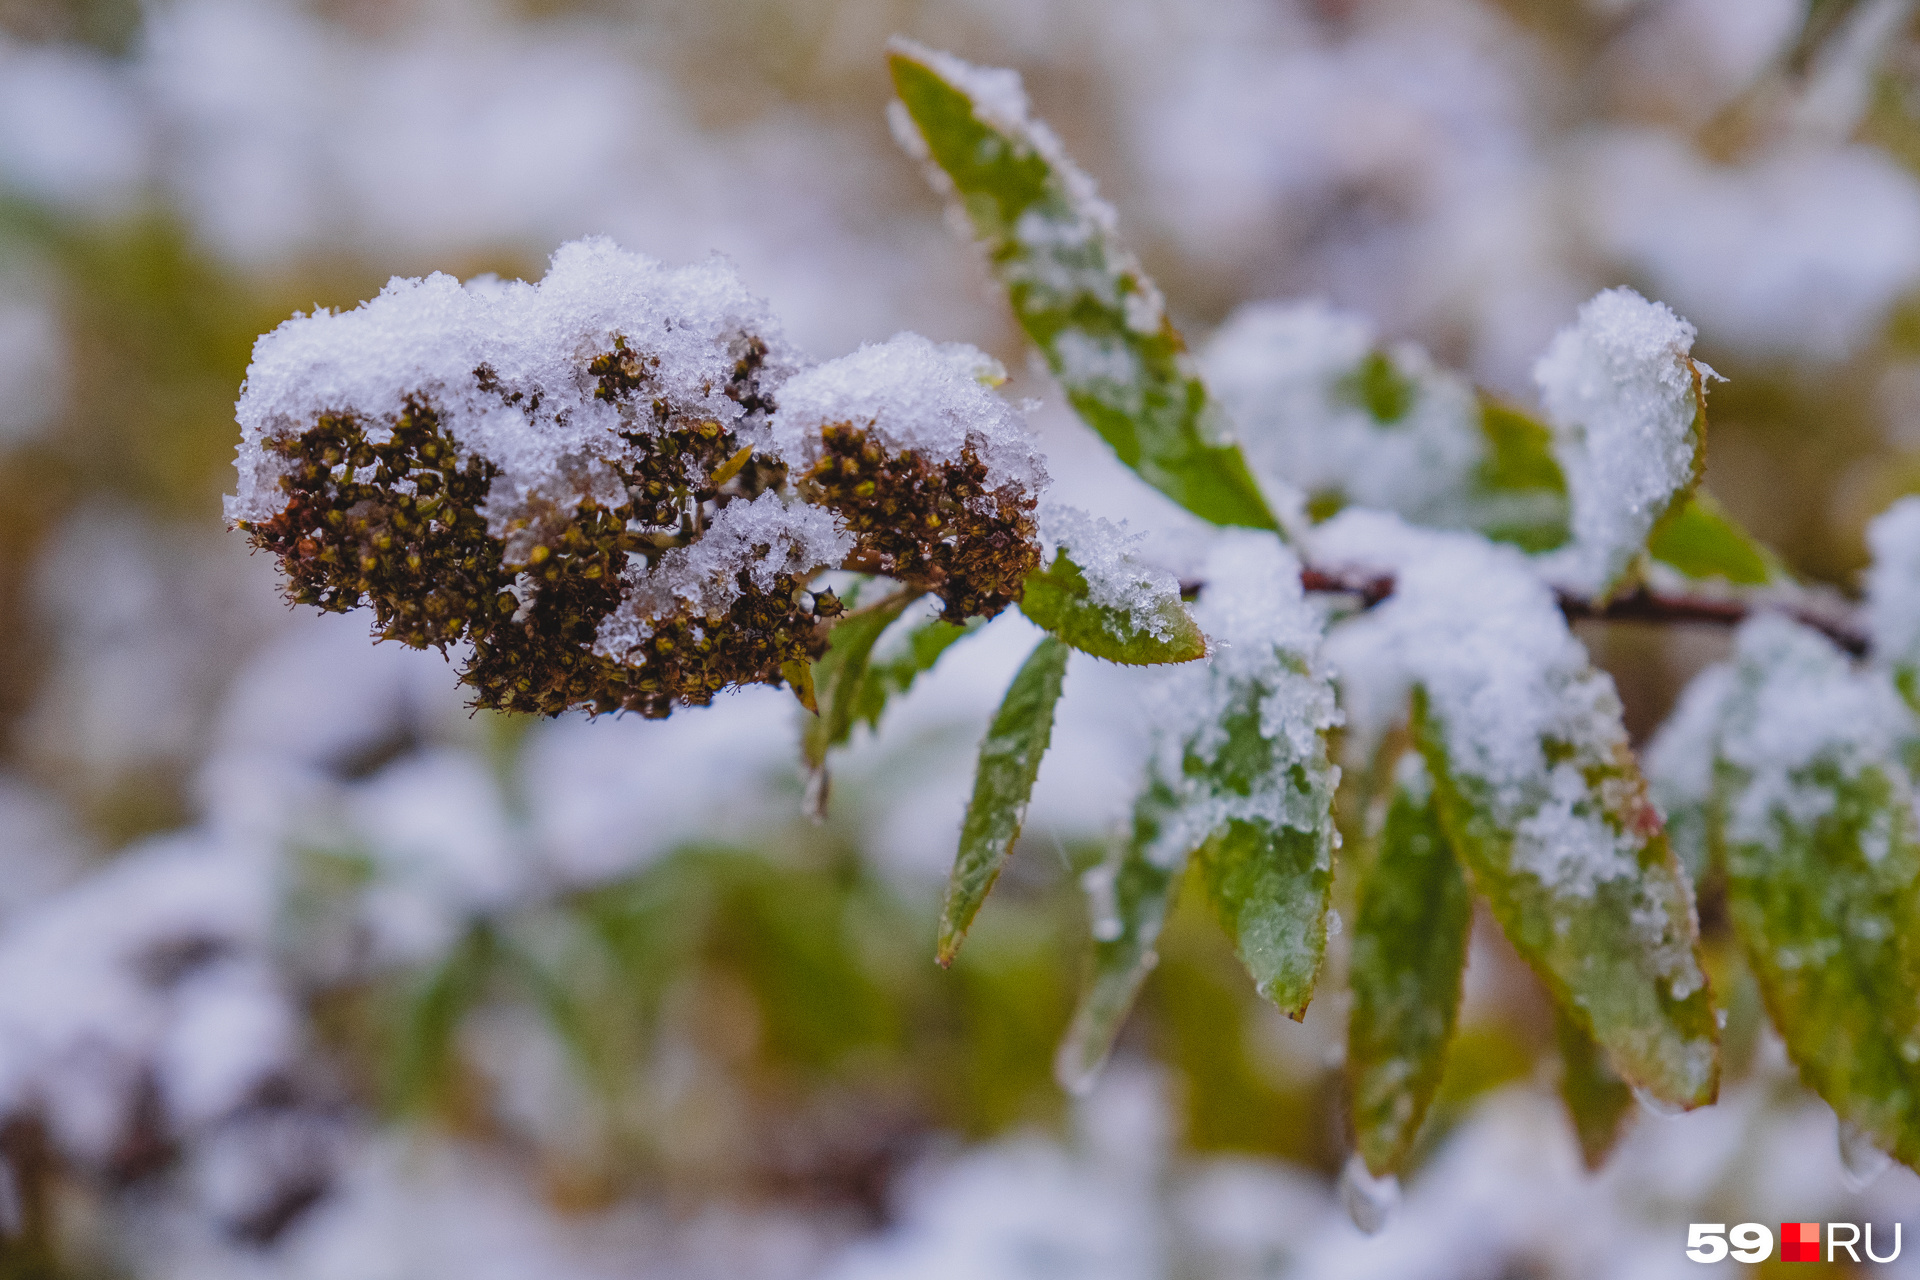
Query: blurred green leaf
{"type": "Point", "coordinates": [1521, 493]}
{"type": "Point", "coordinates": [423, 1065]}
{"type": "Point", "coordinates": [1056, 598]}
{"type": "Point", "coordinates": [1823, 888]}
{"type": "Point", "coordinates": [888, 678]}
{"type": "Point", "coordinates": [1698, 538]}
{"type": "Point", "coordinates": [1597, 1099]}
{"type": "Point", "coordinates": [1131, 893]}
{"type": "Point", "coordinates": [1409, 956]}
{"type": "Point", "coordinates": [1621, 955]}
{"type": "Point", "coordinates": [1079, 295]}
{"type": "Point", "coordinates": [839, 680]}
{"type": "Point", "coordinates": [1010, 758]}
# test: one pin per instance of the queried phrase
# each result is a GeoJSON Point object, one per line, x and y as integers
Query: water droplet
{"type": "Point", "coordinates": [1658, 1106]}
{"type": "Point", "coordinates": [1861, 1159]}
{"type": "Point", "coordinates": [1368, 1200]}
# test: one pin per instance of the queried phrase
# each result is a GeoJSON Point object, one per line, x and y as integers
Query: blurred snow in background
{"type": "Point", "coordinates": [305, 971]}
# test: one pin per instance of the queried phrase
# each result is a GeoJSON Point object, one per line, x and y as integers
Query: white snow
{"type": "Point", "coordinates": [427, 337]}
{"type": "Point", "coordinates": [913, 395]}
{"type": "Point", "coordinates": [1623, 400]}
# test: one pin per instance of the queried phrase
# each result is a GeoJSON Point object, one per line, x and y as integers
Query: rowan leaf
{"type": "Point", "coordinates": [1814, 815]}
{"type": "Point", "coordinates": [1081, 297]}
{"type": "Point", "coordinates": [1408, 959]}
{"type": "Point", "coordinates": [1058, 598]}
{"type": "Point", "coordinates": [1010, 758]}
{"type": "Point", "coordinates": [1597, 1099]}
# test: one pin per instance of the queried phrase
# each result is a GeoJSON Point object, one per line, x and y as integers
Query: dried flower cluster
{"type": "Point", "coordinates": [590, 482]}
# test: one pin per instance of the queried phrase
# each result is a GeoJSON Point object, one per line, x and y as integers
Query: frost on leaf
{"type": "Point", "coordinates": [1240, 780]}
{"type": "Point", "coordinates": [1536, 787]}
{"type": "Point", "coordinates": [1409, 956]}
{"type": "Point", "coordinates": [1081, 297]}
{"type": "Point", "coordinates": [1628, 411]}
{"type": "Point", "coordinates": [1816, 817]}
{"type": "Point", "coordinates": [935, 476]}
{"type": "Point", "coordinates": [1095, 592]}
{"type": "Point", "coordinates": [1893, 594]}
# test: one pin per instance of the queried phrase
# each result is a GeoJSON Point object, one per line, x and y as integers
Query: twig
{"type": "Point", "coordinates": [1639, 605]}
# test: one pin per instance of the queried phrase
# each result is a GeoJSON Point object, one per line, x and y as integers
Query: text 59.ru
{"type": "Point", "coordinates": [1799, 1242]}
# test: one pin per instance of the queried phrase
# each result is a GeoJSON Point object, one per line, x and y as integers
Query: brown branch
{"type": "Point", "coordinates": [1639, 605]}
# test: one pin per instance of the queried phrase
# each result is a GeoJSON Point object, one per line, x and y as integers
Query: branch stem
{"type": "Point", "coordinates": [1642, 604]}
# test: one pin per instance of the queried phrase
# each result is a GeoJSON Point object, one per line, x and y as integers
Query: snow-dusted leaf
{"type": "Point", "coordinates": [1077, 292]}
{"type": "Point", "coordinates": [1409, 955]}
{"type": "Point", "coordinates": [1628, 410]}
{"type": "Point", "coordinates": [1815, 814]}
{"type": "Point", "coordinates": [1010, 758]}
{"type": "Point", "coordinates": [1268, 858]}
{"type": "Point", "coordinates": [1130, 894]}
{"type": "Point", "coordinates": [839, 679]}
{"type": "Point", "coordinates": [1061, 598]}
{"type": "Point", "coordinates": [1536, 788]}
{"type": "Point", "coordinates": [1598, 1100]}
{"type": "Point", "coordinates": [1240, 778]}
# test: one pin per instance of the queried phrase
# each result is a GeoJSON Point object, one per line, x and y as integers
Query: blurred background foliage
{"type": "Point", "coordinates": [753, 1019]}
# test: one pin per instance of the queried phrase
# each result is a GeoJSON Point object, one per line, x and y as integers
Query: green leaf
{"type": "Point", "coordinates": [1271, 882]}
{"type": "Point", "coordinates": [1620, 952]}
{"type": "Point", "coordinates": [1010, 758]}
{"type": "Point", "coordinates": [431, 1016]}
{"type": "Point", "coordinates": [1700, 540]}
{"type": "Point", "coordinates": [887, 678]}
{"type": "Point", "coordinates": [839, 678]}
{"type": "Point", "coordinates": [1079, 295]}
{"type": "Point", "coordinates": [1815, 820]}
{"type": "Point", "coordinates": [1598, 1100]}
{"type": "Point", "coordinates": [1409, 956]}
{"type": "Point", "coordinates": [1057, 598]}
{"type": "Point", "coordinates": [1131, 892]}
{"type": "Point", "coordinates": [1520, 493]}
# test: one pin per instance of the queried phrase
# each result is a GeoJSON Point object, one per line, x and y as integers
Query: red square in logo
{"type": "Point", "coordinates": [1799, 1242]}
